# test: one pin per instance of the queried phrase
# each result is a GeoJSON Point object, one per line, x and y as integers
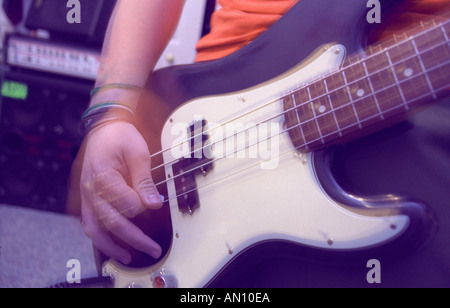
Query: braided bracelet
{"type": "Point", "coordinates": [106, 112]}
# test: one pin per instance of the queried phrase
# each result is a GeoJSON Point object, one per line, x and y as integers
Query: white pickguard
{"type": "Point", "coordinates": [242, 203]}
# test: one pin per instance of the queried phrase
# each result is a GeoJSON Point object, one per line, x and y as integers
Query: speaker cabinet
{"type": "Point", "coordinates": [39, 137]}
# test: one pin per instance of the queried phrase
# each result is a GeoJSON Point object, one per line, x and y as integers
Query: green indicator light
{"type": "Point", "coordinates": [14, 90]}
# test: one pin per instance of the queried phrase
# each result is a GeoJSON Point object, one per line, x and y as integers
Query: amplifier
{"type": "Point", "coordinates": [39, 137]}
{"type": "Point", "coordinates": [52, 57]}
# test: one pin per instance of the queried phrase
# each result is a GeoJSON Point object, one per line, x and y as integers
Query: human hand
{"type": "Point", "coordinates": [116, 185]}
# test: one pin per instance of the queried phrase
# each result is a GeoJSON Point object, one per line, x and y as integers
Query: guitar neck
{"type": "Point", "coordinates": [384, 82]}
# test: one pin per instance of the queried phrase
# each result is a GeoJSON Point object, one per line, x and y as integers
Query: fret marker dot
{"type": "Point", "coordinates": [360, 92]}
{"type": "Point", "coordinates": [408, 72]}
{"type": "Point", "coordinates": [322, 109]}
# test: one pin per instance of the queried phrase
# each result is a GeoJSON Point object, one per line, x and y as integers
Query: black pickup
{"type": "Point", "coordinates": [186, 169]}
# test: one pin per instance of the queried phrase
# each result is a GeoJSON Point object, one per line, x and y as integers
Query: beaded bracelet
{"type": "Point", "coordinates": [106, 112]}
{"type": "Point", "coordinates": [116, 86]}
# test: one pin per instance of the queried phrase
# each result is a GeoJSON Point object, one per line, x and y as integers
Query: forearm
{"type": "Point", "coordinates": [137, 34]}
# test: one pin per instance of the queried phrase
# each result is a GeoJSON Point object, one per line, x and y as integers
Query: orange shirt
{"type": "Point", "coordinates": [239, 22]}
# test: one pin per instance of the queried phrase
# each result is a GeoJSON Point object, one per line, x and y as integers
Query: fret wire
{"type": "Point", "coordinates": [298, 119]}
{"type": "Point", "coordinates": [332, 108]}
{"type": "Point", "coordinates": [424, 69]}
{"type": "Point", "coordinates": [397, 83]}
{"type": "Point", "coordinates": [315, 117]}
{"type": "Point", "coordinates": [373, 91]}
{"type": "Point", "coordinates": [445, 33]}
{"type": "Point", "coordinates": [351, 100]}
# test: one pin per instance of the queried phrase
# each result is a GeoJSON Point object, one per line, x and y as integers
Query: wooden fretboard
{"type": "Point", "coordinates": [383, 82]}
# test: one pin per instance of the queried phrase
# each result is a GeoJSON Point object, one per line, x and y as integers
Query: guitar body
{"type": "Point", "coordinates": [256, 189]}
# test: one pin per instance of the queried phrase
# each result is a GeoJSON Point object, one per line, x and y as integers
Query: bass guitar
{"type": "Point", "coordinates": [245, 150]}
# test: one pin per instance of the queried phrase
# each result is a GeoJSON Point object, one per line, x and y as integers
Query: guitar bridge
{"type": "Point", "coordinates": [186, 169]}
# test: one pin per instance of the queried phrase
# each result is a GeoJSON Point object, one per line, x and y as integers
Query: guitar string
{"type": "Point", "coordinates": [304, 86]}
{"type": "Point", "coordinates": [295, 107]}
{"type": "Point", "coordinates": [275, 135]}
{"type": "Point", "coordinates": [177, 195]}
{"type": "Point", "coordinates": [331, 111]}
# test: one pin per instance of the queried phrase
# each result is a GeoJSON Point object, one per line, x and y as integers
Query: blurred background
{"type": "Point", "coordinates": [48, 67]}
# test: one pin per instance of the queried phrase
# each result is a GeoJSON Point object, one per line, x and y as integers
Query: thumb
{"type": "Point", "coordinates": [142, 183]}
{"type": "Point", "coordinates": [139, 167]}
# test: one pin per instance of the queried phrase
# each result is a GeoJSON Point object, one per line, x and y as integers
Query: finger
{"type": "Point", "coordinates": [100, 238]}
{"type": "Point", "coordinates": [139, 166]}
{"type": "Point", "coordinates": [122, 228]}
{"type": "Point", "coordinates": [112, 188]}
{"type": "Point", "coordinates": [99, 216]}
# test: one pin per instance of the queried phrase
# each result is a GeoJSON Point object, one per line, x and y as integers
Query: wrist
{"type": "Point", "coordinates": [127, 94]}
